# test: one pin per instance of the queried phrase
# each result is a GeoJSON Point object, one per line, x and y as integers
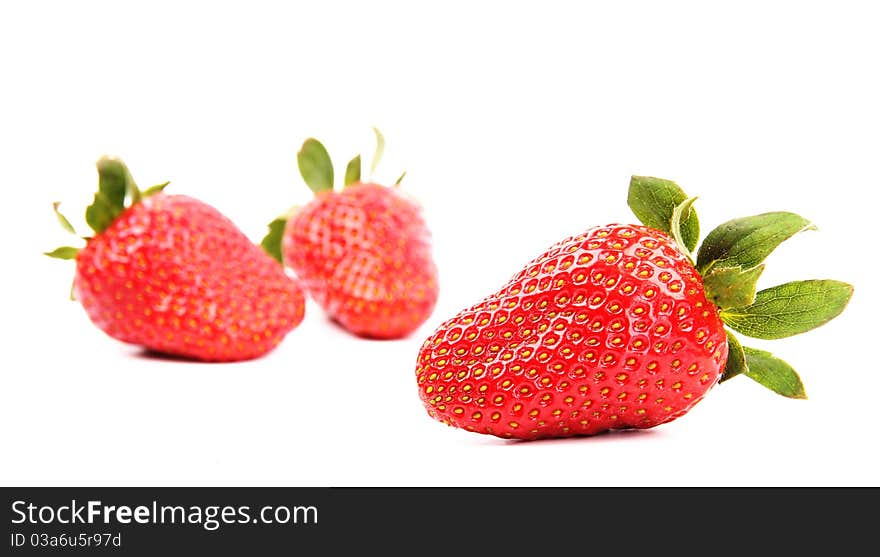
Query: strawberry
{"type": "Point", "coordinates": [363, 253]}
{"type": "Point", "coordinates": [621, 327]}
{"type": "Point", "coordinates": [173, 275]}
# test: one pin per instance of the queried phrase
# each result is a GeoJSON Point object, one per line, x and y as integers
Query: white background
{"type": "Point", "coordinates": [519, 123]}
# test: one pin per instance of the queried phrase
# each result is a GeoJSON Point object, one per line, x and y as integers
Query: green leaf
{"type": "Point", "coordinates": [315, 166]}
{"type": "Point", "coordinates": [153, 190]}
{"type": "Point", "coordinates": [773, 373]}
{"type": "Point", "coordinates": [653, 201]}
{"type": "Point", "coordinates": [114, 185]}
{"type": "Point", "coordinates": [736, 359]}
{"type": "Point", "coordinates": [62, 220]}
{"type": "Point", "coordinates": [380, 150]}
{"type": "Point", "coordinates": [747, 241]}
{"type": "Point", "coordinates": [353, 171]}
{"type": "Point", "coordinates": [683, 209]}
{"type": "Point", "coordinates": [731, 287]}
{"type": "Point", "coordinates": [400, 179]}
{"type": "Point", "coordinates": [115, 182]}
{"type": "Point", "coordinates": [790, 309]}
{"type": "Point", "coordinates": [101, 213]}
{"type": "Point", "coordinates": [65, 252]}
{"type": "Point", "coordinates": [272, 241]}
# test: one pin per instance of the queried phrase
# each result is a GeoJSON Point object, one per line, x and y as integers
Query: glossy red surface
{"type": "Point", "coordinates": [609, 329]}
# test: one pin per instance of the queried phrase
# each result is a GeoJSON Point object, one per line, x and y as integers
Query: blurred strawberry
{"type": "Point", "coordinates": [172, 274]}
{"type": "Point", "coordinates": [363, 253]}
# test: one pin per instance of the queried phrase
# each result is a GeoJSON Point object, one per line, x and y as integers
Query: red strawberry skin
{"type": "Point", "coordinates": [364, 255]}
{"type": "Point", "coordinates": [172, 274]}
{"type": "Point", "coordinates": [610, 329]}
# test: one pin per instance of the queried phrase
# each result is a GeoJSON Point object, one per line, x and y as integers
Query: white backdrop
{"type": "Point", "coordinates": [518, 123]}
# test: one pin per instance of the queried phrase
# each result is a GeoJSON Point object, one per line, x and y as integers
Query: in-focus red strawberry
{"type": "Point", "coordinates": [619, 328]}
{"type": "Point", "coordinates": [172, 274]}
{"type": "Point", "coordinates": [363, 253]}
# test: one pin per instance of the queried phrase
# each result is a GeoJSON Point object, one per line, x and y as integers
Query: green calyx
{"type": "Point", "coordinates": [316, 169]}
{"type": "Point", "coordinates": [115, 186]}
{"type": "Point", "coordinates": [732, 286]}
{"type": "Point", "coordinates": [353, 171]}
{"type": "Point", "coordinates": [316, 166]}
{"type": "Point", "coordinates": [116, 192]}
{"type": "Point", "coordinates": [271, 242]}
{"type": "Point", "coordinates": [789, 309]}
{"type": "Point", "coordinates": [654, 200]}
{"type": "Point", "coordinates": [731, 261]}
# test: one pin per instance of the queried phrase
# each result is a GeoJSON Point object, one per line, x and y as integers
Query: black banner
{"type": "Point", "coordinates": [259, 521]}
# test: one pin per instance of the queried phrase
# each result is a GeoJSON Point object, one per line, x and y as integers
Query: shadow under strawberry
{"type": "Point", "coordinates": [610, 435]}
